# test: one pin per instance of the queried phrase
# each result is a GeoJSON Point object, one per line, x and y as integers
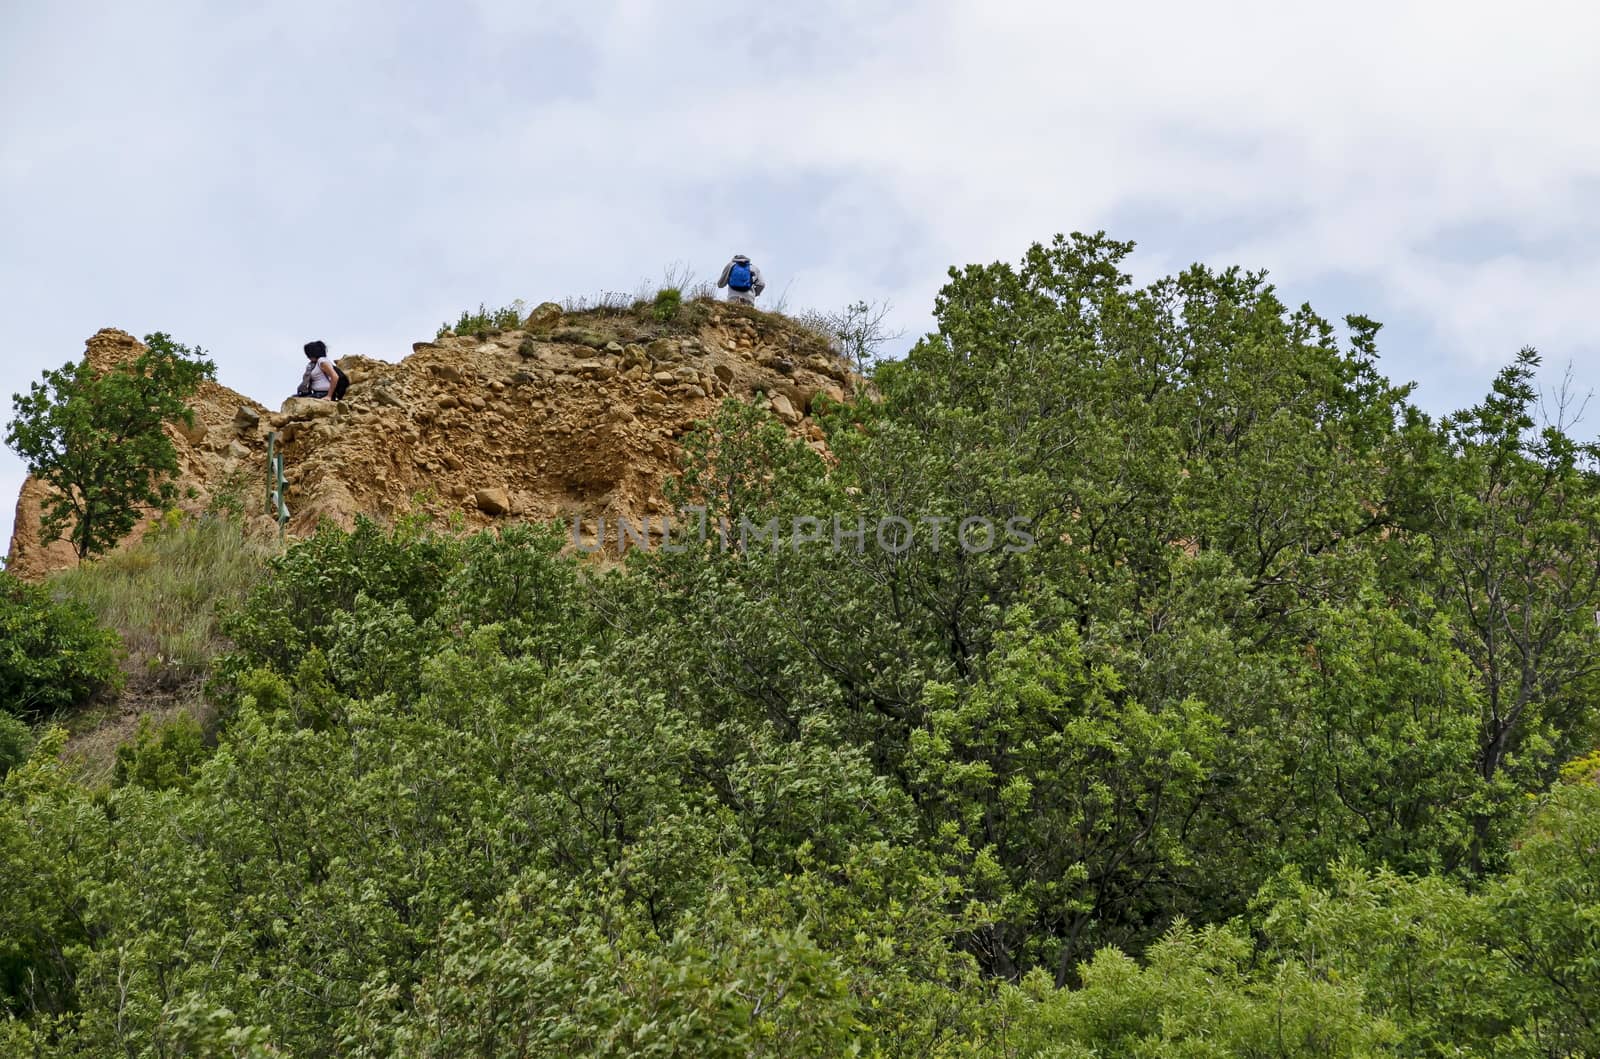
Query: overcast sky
{"type": "Point", "coordinates": [359, 172]}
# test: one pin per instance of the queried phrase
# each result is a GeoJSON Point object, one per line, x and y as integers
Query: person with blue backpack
{"type": "Point", "coordinates": [742, 279]}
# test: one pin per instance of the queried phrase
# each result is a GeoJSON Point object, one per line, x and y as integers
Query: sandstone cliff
{"type": "Point", "coordinates": [569, 415]}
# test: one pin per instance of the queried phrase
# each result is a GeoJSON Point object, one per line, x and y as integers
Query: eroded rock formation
{"type": "Point", "coordinates": [570, 415]}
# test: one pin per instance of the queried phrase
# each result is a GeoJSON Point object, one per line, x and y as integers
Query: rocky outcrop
{"type": "Point", "coordinates": [575, 414]}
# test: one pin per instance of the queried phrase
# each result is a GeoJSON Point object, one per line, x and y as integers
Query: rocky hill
{"type": "Point", "coordinates": [571, 414]}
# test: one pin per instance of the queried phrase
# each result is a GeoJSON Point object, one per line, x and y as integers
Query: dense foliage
{"type": "Point", "coordinates": [1257, 751]}
{"type": "Point", "coordinates": [96, 438]}
{"type": "Point", "coordinates": [52, 652]}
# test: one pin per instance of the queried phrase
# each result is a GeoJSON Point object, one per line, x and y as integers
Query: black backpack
{"type": "Point", "coordinates": [344, 381]}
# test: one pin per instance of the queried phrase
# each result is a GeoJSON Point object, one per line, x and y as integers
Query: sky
{"type": "Point", "coordinates": [248, 177]}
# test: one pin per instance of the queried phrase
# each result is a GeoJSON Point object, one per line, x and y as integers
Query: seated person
{"type": "Point", "coordinates": [322, 379]}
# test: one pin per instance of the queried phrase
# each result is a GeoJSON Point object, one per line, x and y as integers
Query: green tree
{"type": "Point", "coordinates": [1065, 797]}
{"type": "Point", "coordinates": [97, 439]}
{"type": "Point", "coordinates": [1503, 537]}
{"type": "Point", "coordinates": [1510, 969]}
{"type": "Point", "coordinates": [1382, 746]}
{"type": "Point", "coordinates": [1546, 911]}
{"type": "Point", "coordinates": [1197, 993]}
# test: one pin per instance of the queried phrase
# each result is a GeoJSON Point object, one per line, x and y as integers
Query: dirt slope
{"type": "Point", "coordinates": [568, 415]}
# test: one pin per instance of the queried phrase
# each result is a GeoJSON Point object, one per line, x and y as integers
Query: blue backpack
{"type": "Point", "coordinates": [739, 276]}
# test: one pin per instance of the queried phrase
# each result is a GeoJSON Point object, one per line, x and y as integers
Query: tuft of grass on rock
{"type": "Point", "coordinates": [666, 305]}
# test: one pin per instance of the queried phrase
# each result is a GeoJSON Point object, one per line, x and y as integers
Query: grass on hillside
{"type": "Point", "coordinates": [166, 595]}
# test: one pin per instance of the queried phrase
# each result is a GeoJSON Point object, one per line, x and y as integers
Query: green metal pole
{"type": "Point", "coordinates": [277, 486]}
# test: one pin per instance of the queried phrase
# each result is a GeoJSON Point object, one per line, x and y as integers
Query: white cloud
{"type": "Point", "coordinates": [359, 172]}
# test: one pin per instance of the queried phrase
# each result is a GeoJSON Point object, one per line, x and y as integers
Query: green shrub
{"type": "Point", "coordinates": [162, 756]}
{"type": "Point", "coordinates": [668, 302]}
{"type": "Point", "coordinates": [15, 742]}
{"type": "Point", "coordinates": [486, 319]}
{"type": "Point", "coordinates": [52, 653]}
{"type": "Point", "coordinates": [518, 581]}
{"type": "Point", "coordinates": [373, 605]}
{"type": "Point", "coordinates": [307, 599]}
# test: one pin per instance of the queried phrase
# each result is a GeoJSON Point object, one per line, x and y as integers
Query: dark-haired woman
{"type": "Point", "coordinates": [320, 377]}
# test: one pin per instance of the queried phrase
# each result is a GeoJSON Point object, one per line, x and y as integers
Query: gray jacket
{"type": "Point", "coordinates": [757, 284]}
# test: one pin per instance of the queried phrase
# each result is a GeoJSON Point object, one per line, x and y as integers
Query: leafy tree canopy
{"type": "Point", "coordinates": [97, 439]}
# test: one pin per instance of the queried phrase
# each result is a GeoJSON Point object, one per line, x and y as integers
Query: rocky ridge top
{"type": "Point", "coordinates": [568, 415]}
